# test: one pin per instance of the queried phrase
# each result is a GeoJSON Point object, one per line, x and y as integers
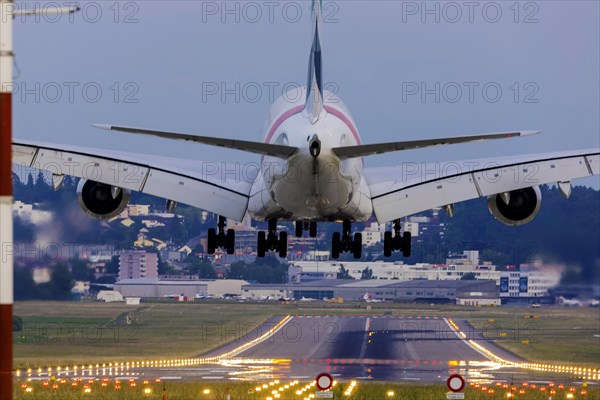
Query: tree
{"type": "Point", "coordinates": [81, 271]}
{"type": "Point", "coordinates": [61, 283]}
{"type": "Point", "coordinates": [367, 273]}
{"type": "Point", "coordinates": [24, 285]}
{"type": "Point", "coordinates": [106, 280]}
{"type": "Point", "coordinates": [203, 269]}
{"type": "Point", "coordinates": [343, 273]}
{"type": "Point", "coordinates": [469, 276]}
{"type": "Point", "coordinates": [112, 267]}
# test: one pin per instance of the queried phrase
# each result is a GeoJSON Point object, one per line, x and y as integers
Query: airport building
{"type": "Point", "coordinates": [393, 270]}
{"type": "Point", "coordinates": [528, 285]}
{"type": "Point", "coordinates": [190, 289]}
{"type": "Point", "coordinates": [473, 292]}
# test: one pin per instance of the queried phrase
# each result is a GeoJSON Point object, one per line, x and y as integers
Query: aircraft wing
{"type": "Point", "coordinates": [212, 186]}
{"type": "Point", "coordinates": [410, 188]}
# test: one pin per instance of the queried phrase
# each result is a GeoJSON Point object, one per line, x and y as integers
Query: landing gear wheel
{"type": "Point", "coordinates": [357, 246]}
{"type": "Point", "coordinates": [387, 244]}
{"type": "Point", "coordinates": [262, 244]}
{"type": "Point", "coordinates": [406, 244]}
{"type": "Point", "coordinates": [299, 228]}
{"type": "Point", "coordinates": [230, 241]}
{"type": "Point", "coordinates": [212, 241]}
{"type": "Point", "coordinates": [335, 245]}
{"type": "Point", "coordinates": [282, 244]}
{"type": "Point", "coordinates": [313, 229]}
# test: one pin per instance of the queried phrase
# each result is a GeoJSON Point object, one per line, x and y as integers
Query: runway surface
{"type": "Point", "coordinates": [379, 348]}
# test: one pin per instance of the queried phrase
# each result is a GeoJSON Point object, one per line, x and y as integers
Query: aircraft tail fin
{"type": "Point", "coordinates": [314, 89]}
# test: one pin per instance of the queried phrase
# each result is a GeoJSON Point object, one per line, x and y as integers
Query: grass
{"type": "Point", "coordinates": [63, 333]}
{"type": "Point", "coordinates": [554, 334]}
{"type": "Point", "coordinates": [247, 391]}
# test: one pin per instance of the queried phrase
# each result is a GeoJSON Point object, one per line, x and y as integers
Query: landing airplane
{"type": "Point", "coordinates": [311, 169]}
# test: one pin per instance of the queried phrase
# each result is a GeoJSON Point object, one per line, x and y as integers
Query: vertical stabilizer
{"type": "Point", "coordinates": [314, 93]}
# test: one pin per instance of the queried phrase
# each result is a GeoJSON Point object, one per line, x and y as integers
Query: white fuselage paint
{"type": "Point", "coordinates": [302, 187]}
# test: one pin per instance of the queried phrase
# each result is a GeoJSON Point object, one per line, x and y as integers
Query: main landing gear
{"type": "Point", "coordinates": [272, 241]}
{"type": "Point", "coordinates": [397, 242]}
{"type": "Point", "coordinates": [221, 239]}
{"type": "Point", "coordinates": [310, 226]}
{"type": "Point", "coordinates": [344, 243]}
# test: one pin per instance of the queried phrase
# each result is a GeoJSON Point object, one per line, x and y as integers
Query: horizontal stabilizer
{"type": "Point", "coordinates": [267, 149]}
{"type": "Point", "coordinates": [380, 148]}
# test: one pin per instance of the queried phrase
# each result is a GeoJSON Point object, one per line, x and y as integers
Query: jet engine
{"type": "Point", "coordinates": [100, 200]}
{"type": "Point", "coordinates": [517, 207]}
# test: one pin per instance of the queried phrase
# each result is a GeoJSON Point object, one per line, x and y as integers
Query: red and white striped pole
{"type": "Point", "coordinates": [6, 220]}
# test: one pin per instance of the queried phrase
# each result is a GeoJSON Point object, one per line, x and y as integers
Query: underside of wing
{"type": "Point", "coordinates": [216, 187]}
{"type": "Point", "coordinates": [410, 188]}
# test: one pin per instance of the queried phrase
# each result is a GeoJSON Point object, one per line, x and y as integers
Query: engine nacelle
{"type": "Point", "coordinates": [100, 200]}
{"type": "Point", "coordinates": [523, 205]}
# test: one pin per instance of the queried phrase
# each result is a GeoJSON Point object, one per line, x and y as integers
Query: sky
{"type": "Point", "coordinates": [406, 71]}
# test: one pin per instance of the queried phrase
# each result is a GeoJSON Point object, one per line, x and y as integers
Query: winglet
{"type": "Point", "coordinates": [103, 126]}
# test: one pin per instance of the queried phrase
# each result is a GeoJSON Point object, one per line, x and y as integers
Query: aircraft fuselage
{"type": "Point", "coordinates": [313, 184]}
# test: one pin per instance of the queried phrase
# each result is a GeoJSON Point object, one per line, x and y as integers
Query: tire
{"type": "Point", "coordinates": [261, 244]}
{"type": "Point", "coordinates": [212, 241]}
{"type": "Point", "coordinates": [230, 241]}
{"type": "Point", "coordinates": [283, 244]}
{"type": "Point", "coordinates": [313, 229]}
{"type": "Point", "coordinates": [387, 244]}
{"type": "Point", "coordinates": [335, 245]}
{"type": "Point", "coordinates": [299, 228]}
{"type": "Point", "coordinates": [357, 246]}
{"type": "Point", "coordinates": [406, 244]}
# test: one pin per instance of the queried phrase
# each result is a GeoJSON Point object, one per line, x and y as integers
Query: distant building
{"type": "Point", "coordinates": [81, 287]}
{"type": "Point", "coordinates": [41, 275]}
{"type": "Point", "coordinates": [528, 285]}
{"type": "Point", "coordinates": [373, 234]}
{"type": "Point", "coordinates": [475, 293]}
{"type": "Point", "coordinates": [297, 275]}
{"type": "Point", "coordinates": [468, 257]}
{"type": "Point", "coordinates": [412, 227]}
{"type": "Point", "coordinates": [152, 287]}
{"type": "Point", "coordinates": [138, 264]}
{"type": "Point", "coordinates": [27, 213]}
{"type": "Point", "coordinates": [399, 271]}
{"type": "Point", "coordinates": [175, 287]}
{"type": "Point", "coordinates": [109, 296]}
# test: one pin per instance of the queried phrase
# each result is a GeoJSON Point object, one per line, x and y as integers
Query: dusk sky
{"type": "Point", "coordinates": [154, 60]}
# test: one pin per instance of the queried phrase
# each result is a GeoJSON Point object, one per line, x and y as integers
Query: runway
{"type": "Point", "coordinates": [378, 348]}
{"type": "Point", "coordinates": [363, 347]}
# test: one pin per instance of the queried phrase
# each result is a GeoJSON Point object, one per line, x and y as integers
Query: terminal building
{"type": "Point", "coordinates": [473, 292]}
